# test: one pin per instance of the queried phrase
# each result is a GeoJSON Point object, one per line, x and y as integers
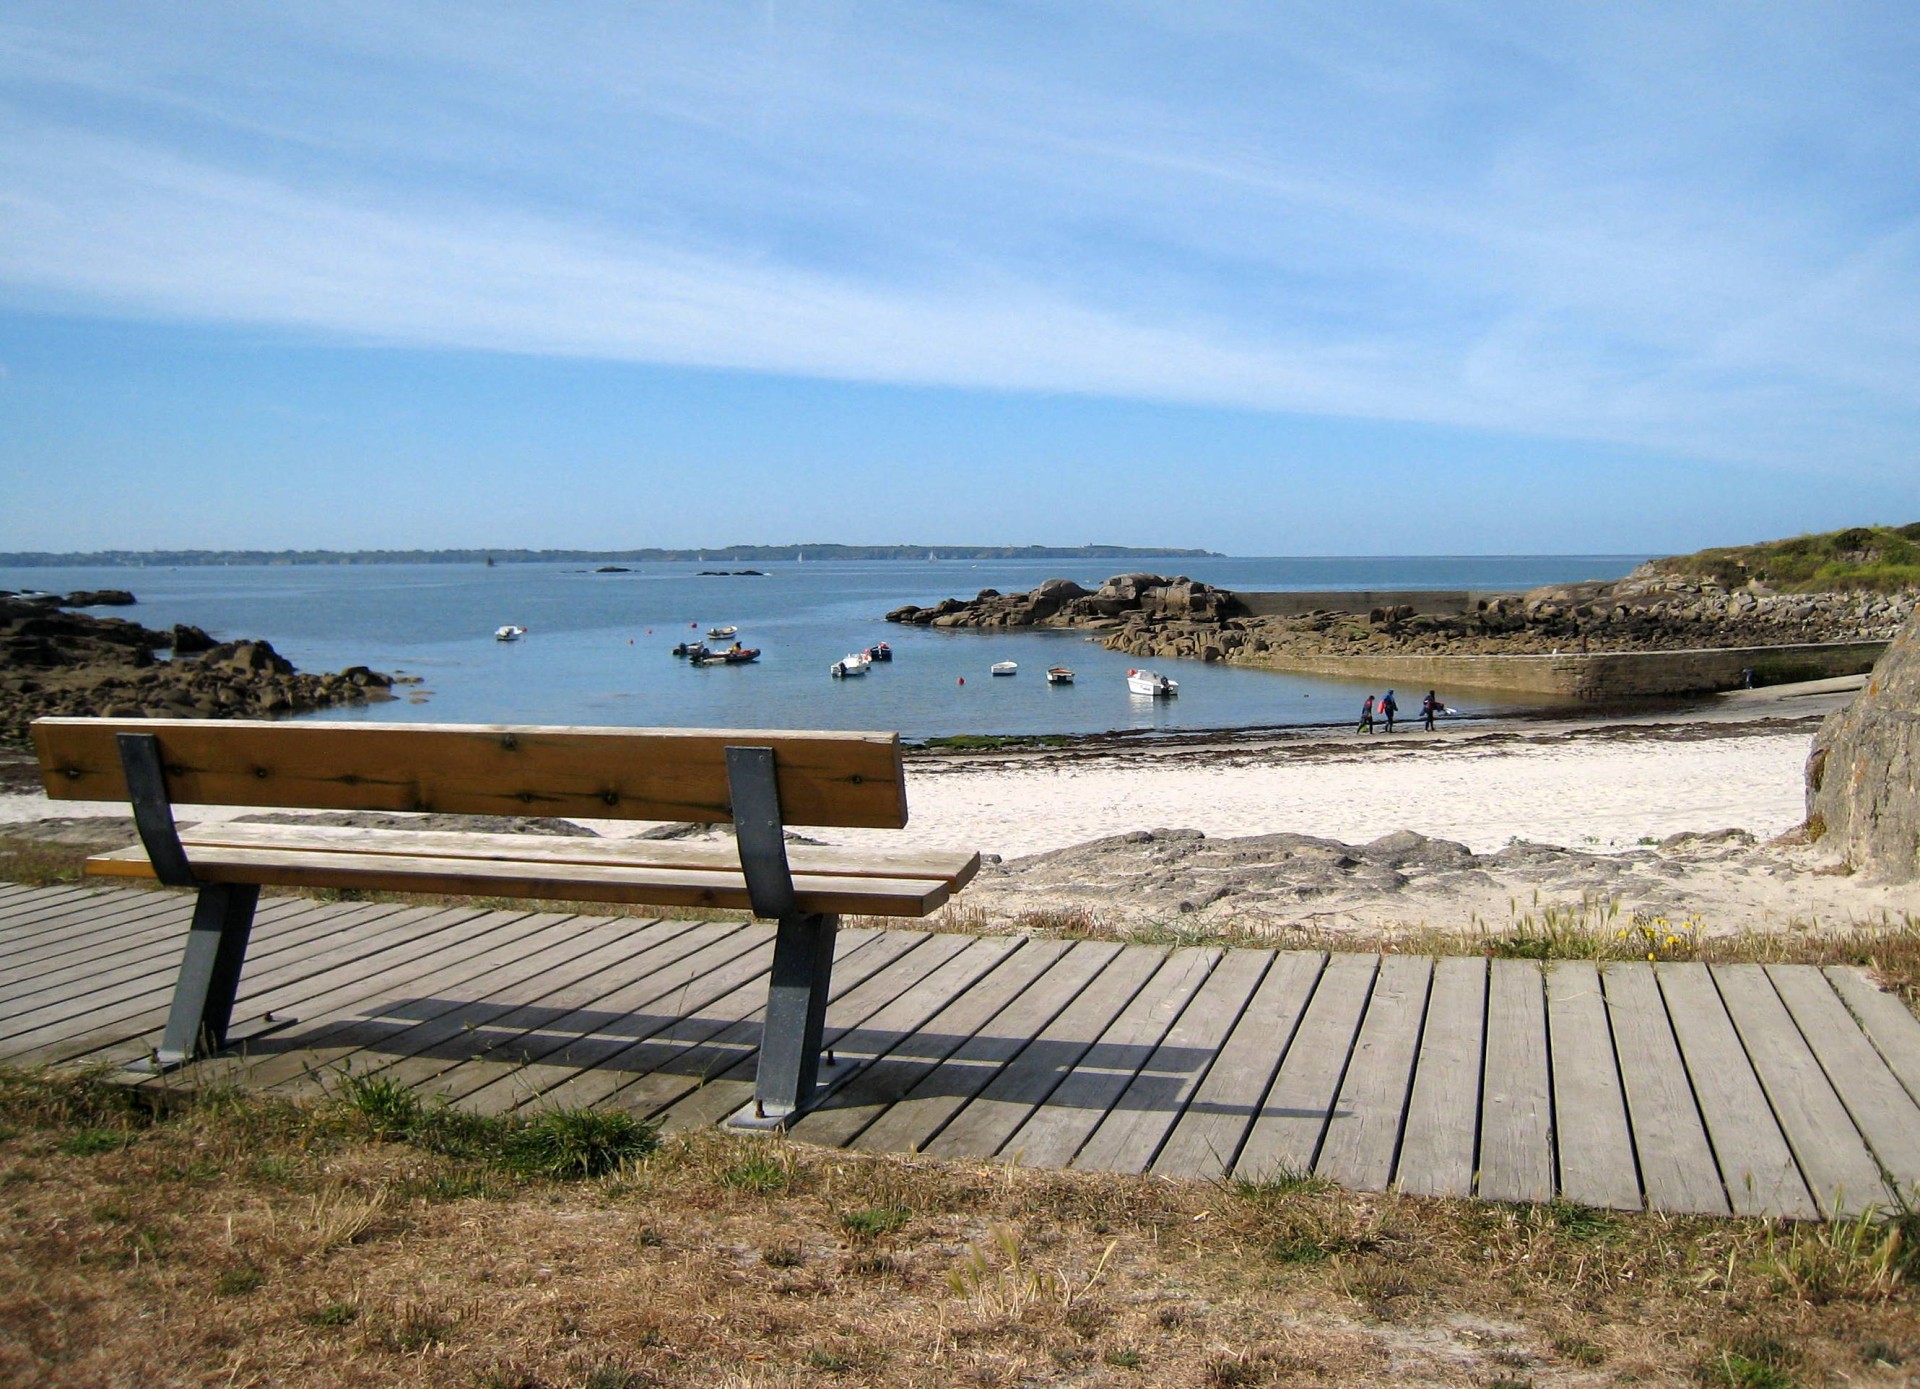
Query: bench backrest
{"type": "Point", "coordinates": [824, 778]}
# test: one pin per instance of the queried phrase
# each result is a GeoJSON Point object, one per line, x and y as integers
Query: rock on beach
{"type": "Point", "coordinates": [58, 662]}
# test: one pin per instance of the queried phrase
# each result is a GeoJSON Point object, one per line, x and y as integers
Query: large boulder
{"type": "Point", "coordinates": [1863, 777]}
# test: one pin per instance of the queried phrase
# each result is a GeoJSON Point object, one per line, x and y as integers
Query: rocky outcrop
{"type": "Point", "coordinates": [1863, 776]}
{"type": "Point", "coordinates": [1154, 617]}
{"type": "Point", "coordinates": [99, 598]}
{"type": "Point", "coordinates": [1064, 603]}
{"type": "Point", "coordinates": [54, 662]}
{"type": "Point", "coordinates": [1572, 619]}
{"type": "Point", "coordinates": [1150, 615]}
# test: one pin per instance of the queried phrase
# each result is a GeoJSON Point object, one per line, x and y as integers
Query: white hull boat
{"type": "Point", "coordinates": [1005, 667]}
{"type": "Point", "coordinates": [848, 666]}
{"type": "Point", "coordinates": [509, 633]}
{"type": "Point", "coordinates": [1059, 675]}
{"type": "Point", "coordinates": [1145, 682]}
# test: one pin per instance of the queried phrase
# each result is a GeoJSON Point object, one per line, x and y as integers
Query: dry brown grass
{"type": "Point", "coordinates": [250, 1242]}
{"type": "Point", "coordinates": [39, 863]}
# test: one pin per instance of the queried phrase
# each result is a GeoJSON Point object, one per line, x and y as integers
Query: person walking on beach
{"type": "Point", "coordinates": [1366, 717]}
{"type": "Point", "coordinates": [1389, 706]}
{"type": "Point", "coordinates": [1428, 708]}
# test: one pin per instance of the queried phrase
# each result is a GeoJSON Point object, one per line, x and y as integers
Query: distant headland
{"type": "Point", "coordinates": [150, 559]}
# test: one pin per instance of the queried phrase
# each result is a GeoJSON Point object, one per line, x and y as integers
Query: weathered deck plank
{"type": "Point", "coordinates": [1894, 1031]}
{"type": "Point", "coordinates": [1840, 1172]}
{"type": "Point", "coordinates": [1056, 1131]}
{"type": "Point", "coordinates": [1756, 1163]}
{"type": "Point", "coordinates": [1882, 1110]}
{"type": "Point", "coordinates": [1590, 1112]}
{"type": "Point", "coordinates": [80, 924]}
{"type": "Point", "coordinates": [1364, 1136]}
{"type": "Point", "coordinates": [1676, 1160]}
{"type": "Point", "coordinates": [895, 1072]}
{"type": "Point", "coordinates": [371, 1024]}
{"type": "Point", "coordinates": [26, 907]}
{"type": "Point", "coordinates": [124, 947]}
{"type": "Point", "coordinates": [1285, 1138]}
{"type": "Point", "coordinates": [127, 1001]}
{"type": "Point", "coordinates": [1442, 1129]}
{"type": "Point", "coordinates": [1170, 1085]}
{"type": "Point", "coordinates": [918, 1114]}
{"type": "Point", "coordinates": [851, 1010]}
{"type": "Point", "coordinates": [1516, 1105]}
{"type": "Point", "coordinates": [699, 994]}
{"type": "Point", "coordinates": [286, 987]}
{"type": "Point", "coordinates": [989, 1118]}
{"type": "Point", "coordinates": [721, 1051]}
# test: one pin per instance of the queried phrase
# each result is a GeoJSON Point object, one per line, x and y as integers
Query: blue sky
{"type": "Point", "coordinates": [1268, 278]}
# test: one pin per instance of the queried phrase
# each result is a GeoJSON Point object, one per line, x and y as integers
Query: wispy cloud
{"type": "Point", "coordinates": [1665, 226]}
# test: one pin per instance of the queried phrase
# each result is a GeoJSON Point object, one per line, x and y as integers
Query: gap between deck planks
{"type": "Point", "coordinates": [1779, 1090]}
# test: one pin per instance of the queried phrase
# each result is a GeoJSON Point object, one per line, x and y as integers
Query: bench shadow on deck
{"type": "Point", "coordinates": [1743, 1089]}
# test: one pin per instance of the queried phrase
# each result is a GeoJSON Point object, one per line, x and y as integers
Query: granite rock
{"type": "Point", "coordinates": [1863, 775]}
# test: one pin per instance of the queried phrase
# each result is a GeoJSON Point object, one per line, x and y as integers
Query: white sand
{"type": "Point", "coordinates": [1481, 793]}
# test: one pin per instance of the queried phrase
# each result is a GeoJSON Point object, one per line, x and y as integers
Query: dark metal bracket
{"type": "Point", "coordinates": [201, 1014]}
{"type": "Point", "coordinates": [153, 808]}
{"type": "Point", "coordinates": [791, 1074]}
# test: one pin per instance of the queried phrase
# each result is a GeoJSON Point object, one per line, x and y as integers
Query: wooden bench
{"type": "Point", "coordinates": [761, 782]}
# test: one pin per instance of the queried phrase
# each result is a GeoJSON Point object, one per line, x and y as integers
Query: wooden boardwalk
{"type": "Point", "coordinates": [1743, 1089]}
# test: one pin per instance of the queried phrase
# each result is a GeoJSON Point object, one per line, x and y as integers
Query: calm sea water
{"type": "Point", "coordinates": [598, 645]}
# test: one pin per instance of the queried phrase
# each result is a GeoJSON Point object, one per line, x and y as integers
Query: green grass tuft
{"type": "Point", "coordinates": [875, 1221]}
{"type": "Point", "coordinates": [570, 1143]}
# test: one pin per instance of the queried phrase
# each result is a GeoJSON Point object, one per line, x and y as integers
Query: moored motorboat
{"type": "Point", "coordinates": [1145, 682]}
{"type": "Point", "coordinates": [880, 651]}
{"type": "Point", "coordinates": [736, 655]}
{"type": "Point", "coordinates": [722, 633]}
{"type": "Point", "coordinates": [1059, 675]}
{"type": "Point", "coordinates": [1005, 667]}
{"type": "Point", "coordinates": [856, 664]}
{"type": "Point", "coordinates": [509, 633]}
{"type": "Point", "coordinates": [695, 649]}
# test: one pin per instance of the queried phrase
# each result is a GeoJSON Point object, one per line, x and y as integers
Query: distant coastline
{"type": "Point", "coordinates": [140, 559]}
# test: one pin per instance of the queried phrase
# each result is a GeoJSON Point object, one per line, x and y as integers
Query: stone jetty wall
{"type": "Point", "coordinates": [1603, 675]}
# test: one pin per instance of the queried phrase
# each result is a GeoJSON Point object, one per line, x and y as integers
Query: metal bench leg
{"type": "Point", "coordinates": [796, 1016]}
{"type": "Point", "coordinates": [210, 973]}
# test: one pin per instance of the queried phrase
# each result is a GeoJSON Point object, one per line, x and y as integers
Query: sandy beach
{"type": "Point", "coordinates": [1675, 814]}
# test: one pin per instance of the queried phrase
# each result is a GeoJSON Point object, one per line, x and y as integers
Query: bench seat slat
{"type": "Point", "coordinates": [591, 882]}
{"type": "Point", "coordinates": [954, 869]}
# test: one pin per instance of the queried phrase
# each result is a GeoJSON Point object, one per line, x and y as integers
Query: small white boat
{"type": "Point", "coordinates": [846, 666]}
{"type": "Point", "coordinates": [509, 633]}
{"type": "Point", "coordinates": [1145, 682]}
{"type": "Point", "coordinates": [1005, 667]}
{"type": "Point", "coordinates": [1059, 675]}
{"type": "Point", "coordinates": [722, 633]}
